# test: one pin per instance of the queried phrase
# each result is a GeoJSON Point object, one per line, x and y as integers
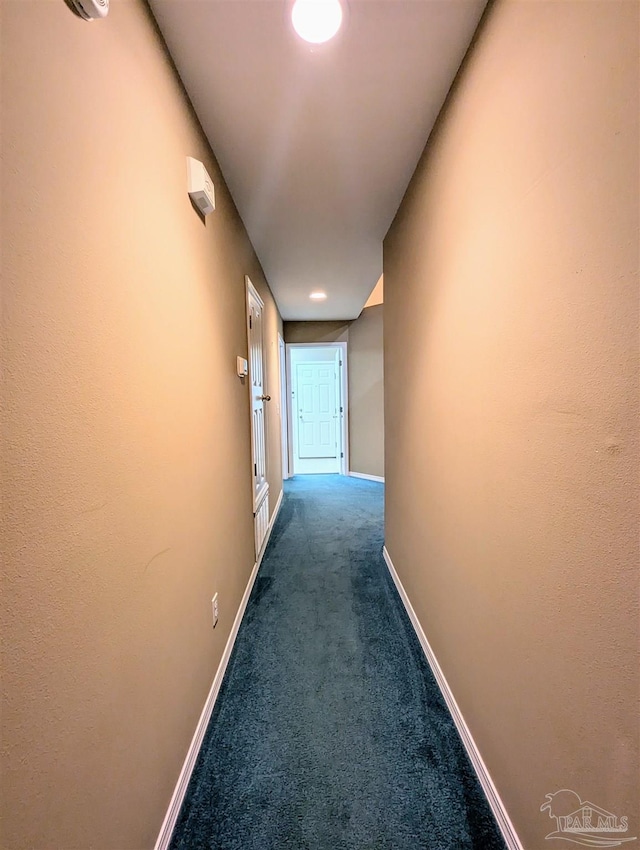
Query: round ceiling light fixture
{"type": "Point", "coordinates": [318, 296]}
{"type": "Point", "coordinates": [316, 21]}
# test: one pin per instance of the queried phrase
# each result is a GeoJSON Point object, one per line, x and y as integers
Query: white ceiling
{"type": "Point", "coordinates": [318, 143]}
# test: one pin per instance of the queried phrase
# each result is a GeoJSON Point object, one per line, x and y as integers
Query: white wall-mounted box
{"type": "Point", "coordinates": [242, 367]}
{"type": "Point", "coordinates": [200, 186]}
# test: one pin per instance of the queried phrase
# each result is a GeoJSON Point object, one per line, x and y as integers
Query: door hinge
{"type": "Point", "coordinates": [250, 324]}
{"type": "Point", "coordinates": [341, 362]}
{"type": "Point", "coordinates": [341, 454]}
{"type": "Point", "coordinates": [342, 410]}
{"type": "Point", "coordinates": [255, 469]}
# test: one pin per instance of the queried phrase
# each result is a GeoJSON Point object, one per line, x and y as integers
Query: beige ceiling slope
{"type": "Point", "coordinates": [317, 144]}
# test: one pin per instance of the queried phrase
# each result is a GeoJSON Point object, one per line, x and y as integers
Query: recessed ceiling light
{"type": "Point", "coordinates": [318, 296]}
{"type": "Point", "coordinates": [316, 20]}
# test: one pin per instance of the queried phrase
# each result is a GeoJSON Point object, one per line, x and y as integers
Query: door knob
{"type": "Point", "coordinates": [265, 398]}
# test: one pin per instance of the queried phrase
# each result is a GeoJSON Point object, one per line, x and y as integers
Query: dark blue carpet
{"type": "Point", "coordinates": [330, 732]}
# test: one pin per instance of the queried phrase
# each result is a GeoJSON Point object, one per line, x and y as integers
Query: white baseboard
{"type": "Point", "coordinates": [495, 802]}
{"type": "Point", "coordinates": [367, 477]}
{"type": "Point", "coordinates": [168, 825]}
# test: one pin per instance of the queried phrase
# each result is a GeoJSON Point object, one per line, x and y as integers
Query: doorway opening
{"type": "Point", "coordinates": [318, 424]}
{"type": "Point", "coordinates": [284, 407]}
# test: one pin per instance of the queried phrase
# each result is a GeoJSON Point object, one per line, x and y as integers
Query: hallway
{"type": "Point", "coordinates": [476, 163]}
{"type": "Point", "coordinates": [329, 732]}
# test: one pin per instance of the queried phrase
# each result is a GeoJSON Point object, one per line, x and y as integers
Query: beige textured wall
{"type": "Point", "coordinates": [512, 453]}
{"type": "Point", "coordinates": [316, 331]}
{"type": "Point", "coordinates": [366, 393]}
{"type": "Point", "coordinates": [126, 465]}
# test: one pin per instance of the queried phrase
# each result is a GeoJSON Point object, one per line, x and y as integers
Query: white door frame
{"type": "Point", "coordinates": [284, 407]}
{"type": "Point", "coordinates": [344, 400]}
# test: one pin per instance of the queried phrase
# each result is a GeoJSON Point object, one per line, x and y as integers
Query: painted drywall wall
{"type": "Point", "coordinates": [126, 460]}
{"type": "Point", "coordinates": [316, 331]}
{"type": "Point", "coordinates": [511, 280]}
{"type": "Point", "coordinates": [366, 393]}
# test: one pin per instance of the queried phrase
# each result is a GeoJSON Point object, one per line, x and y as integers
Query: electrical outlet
{"type": "Point", "coordinates": [214, 610]}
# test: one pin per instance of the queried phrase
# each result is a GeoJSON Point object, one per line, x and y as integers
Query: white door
{"type": "Point", "coordinates": [255, 310]}
{"type": "Point", "coordinates": [316, 390]}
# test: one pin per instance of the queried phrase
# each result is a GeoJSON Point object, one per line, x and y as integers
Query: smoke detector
{"type": "Point", "coordinates": [200, 186]}
{"type": "Point", "coordinates": [91, 10]}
